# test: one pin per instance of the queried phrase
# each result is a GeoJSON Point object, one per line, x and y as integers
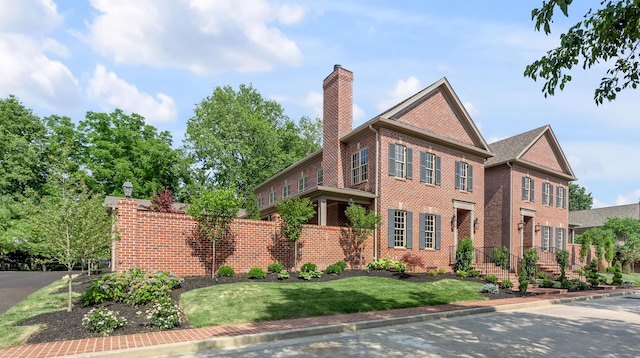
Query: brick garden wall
{"type": "Point", "coordinates": [171, 242]}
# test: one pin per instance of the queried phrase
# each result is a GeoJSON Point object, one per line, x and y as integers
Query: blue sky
{"type": "Point", "coordinates": [160, 58]}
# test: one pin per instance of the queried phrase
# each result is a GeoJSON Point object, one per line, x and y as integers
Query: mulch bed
{"type": "Point", "coordinates": [65, 325]}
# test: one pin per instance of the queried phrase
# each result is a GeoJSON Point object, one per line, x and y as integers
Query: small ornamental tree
{"type": "Point", "coordinates": [562, 258]}
{"type": "Point", "coordinates": [592, 275]}
{"type": "Point", "coordinates": [163, 203]}
{"type": "Point", "coordinates": [214, 210]}
{"type": "Point", "coordinates": [529, 263]}
{"type": "Point", "coordinates": [464, 255]}
{"type": "Point", "coordinates": [617, 275]}
{"type": "Point", "coordinates": [361, 223]}
{"type": "Point", "coordinates": [294, 212]}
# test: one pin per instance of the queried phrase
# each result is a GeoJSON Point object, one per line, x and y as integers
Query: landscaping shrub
{"type": "Point", "coordinates": [592, 275]}
{"type": "Point", "coordinates": [529, 263]}
{"type": "Point", "coordinates": [464, 255]}
{"type": "Point", "coordinates": [164, 313]}
{"type": "Point", "coordinates": [548, 284]}
{"type": "Point", "coordinates": [256, 273]}
{"type": "Point", "coordinates": [387, 264]}
{"type": "Point", "coordinates": [342, 264]}
{"type": "Point", "coordinates": [506, 284]}
{"type": "Point", "coordinates": [103, 320]}
{"type": "Point", "coordinates": [283, 275]}
{"type": "Point", "coordinates": [611, 269]}
{"type": "Point", "coordinates": [542, 275]}
{"type": "Point", "coordinates": [579, 271]}
{"type": "Point", "coordinates": [490, 288]}
{"type": "Point", "coordinates": [412, 260]}
{"type": "Point", "coordinates": [501, 257]}
{"type": "Point", "coordinates": [226, 271]}
{"type": "Point", "coordinates": [275, 267]}
{"type": "Point", "coordinates": [442, 271]}
{"type": "Point", "coordinates": [491, 278]}
{"type": "Point", "coordinates": [462, 273]}
{"type": "Point", "coordinates": [565, 284]}
{"type": "Point", "coordinates": [308, 275]}
{"type": "Point", "coordinates": [334, 268]}
{"type": "Point", "coordinates": [523, 286]}
{"type": "Point", "coordinates": [581, 285]}
{"type": "Point", "coordinates": [562, 258]}
{"type": "Point", "coordinates": [308, 267]}
{"type": "Point", "coordinates": [617, 275]}
{"type": "Point", "coordinates": [474, 273]}
{"type": "Point", "coordinates": [432, 272]}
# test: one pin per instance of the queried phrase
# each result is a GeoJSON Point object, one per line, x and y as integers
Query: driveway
{"type": "Point", "coordinates": [16, 285]}
{"type": "Point", "coordinates": [598, 328]}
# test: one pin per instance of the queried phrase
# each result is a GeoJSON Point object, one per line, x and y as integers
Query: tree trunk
{"type": "Point", "coordinates": [69, 268]}
{"type": "Point", "coordinates": [213, 259]}
{"type": "Point", "coordinates": [295, 256]}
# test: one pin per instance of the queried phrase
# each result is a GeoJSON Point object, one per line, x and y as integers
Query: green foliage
{"type": "Point", "coordinates": [226, 271]}
{"type": "Point", "coordinates": [432, 273]}
{"type": "Point", "coordinates": [308, 275]}
{"type": "Point", "coordinates": [548, 284]}
{"type": "Point", "coordinates": [473, 273]}
{"type": "Point", "coordinates": [275, 267]}
{"type": "Point", "coordinates": [506, 284]}
{"type": "Point", "coordinates": [611, 269]}
{"type": "Point", "coordinates": [412, 260]}
{"type": "Point", "coordinates": [361, 223]}
{"type": "Point", "coordinates": [578, 198]}
{"type": "Point", "coordinates": [442, 271]}
{"type": "Point", "coordinates": [256, 273]}
{"type": "Point", "coordinates": [342, 264]}
{"type": "Point", "coordinates": [501, 257]}
{"type": "Point", "coordinates": [529, 263]}
{"type": "Point", "coordinates": [542, 275]}
{"type": "Point", "coordinates": [294, 213]}
{"type": "Point", "coordinates": [283, 275]}
{"type": "Point", "coordinates": [308, 267]}
{"type": "Point", "coordinates": [132, 286]}
{"type": "Point", "coordinates": [464, 255]}
{"type": "Point", "coordinates": [592, 275]}
{"type": "Point", "coordinates": [490, 288]}
{"type": "Point", "coordinates": [606, 35]}
{"type": "Point", "coordinates": [600, 237]}
{"type": "Point", "coordinates": [103, 320]}
{"type": "Point", "coordinates": [239, 139]}
{"type": "Point", "coordinates": [523, 286]}
{"type": "Point", "coordinates": [617, 275]}
{"type": "Point", "coordinates": [387, 264]}
{"type": "Point", "coordinates": [334, 268]}
{"type": "Point", "coordinates": [462, 273]}
{"type": "Point", "coordinates": [491, 278]}
{"type": "Point", "coordinates": [562, 258]}
{"type": "Point", "coordinates": [163, 313]}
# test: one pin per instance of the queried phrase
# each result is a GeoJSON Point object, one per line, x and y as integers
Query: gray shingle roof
{"type": "Point", "coordinates": [512, 147]}
{"type": "Point", "coordinates": [597, 217]}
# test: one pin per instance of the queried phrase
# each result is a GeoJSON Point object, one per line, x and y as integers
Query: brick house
{"type": "Point", "coordinates": [419, 164]}
{"type": "Point", "coordinates": [526, 193]}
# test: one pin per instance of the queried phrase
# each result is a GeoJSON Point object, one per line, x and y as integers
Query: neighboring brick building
{"type": "Point", "coordinates": [419, 164]}
{"type": "Point", "coordinates": [526, 193]}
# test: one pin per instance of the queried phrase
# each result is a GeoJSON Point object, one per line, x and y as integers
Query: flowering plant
{"type": "Point", "coordinates": [103, 320]}
{"type": "Point", "coordinates": [163, 313]}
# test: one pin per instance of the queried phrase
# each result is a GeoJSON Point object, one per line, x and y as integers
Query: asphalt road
{"type": "Point", "coordinates": [16, 285]}
{"type": "Point", "coordinates": [598, 328]}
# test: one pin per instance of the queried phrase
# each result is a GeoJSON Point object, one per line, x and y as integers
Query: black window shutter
{"type": "Point", "coordinates": [469, 177]}
{"type": "Point", "coordinates": [437, 232]}
{"type": "Point", "coordinates": [392, 159]}
{"type": "Point", "coordinates": [551, 238]}
{"type": "Point", "coordinates": [558, 193]}
{"type": "Point", "coordinates": [409, 229]}
{"type": "Point", "coordinates": [409, 163]}
{"type": "Point", "coordinates": [437, 165]}
{"type": "Point", "coordinates": [423, 217]}
{"type": "Point", "coordinates": [457, 175]}
{"type": "Point", "coordinates": [550, 194]}
{"type": "Point", "coordinates": [564, 198]}
{"type": "Point", "coordinates": [564, 239]}
{"type": "Point", "coordinates": [524, 188]}
{"type": "Point", "coordinates": [390, 223]}
{"type": "Point", "coordinates": [532, 191]}
{"type": "Point", "coordinates": [423, 167]}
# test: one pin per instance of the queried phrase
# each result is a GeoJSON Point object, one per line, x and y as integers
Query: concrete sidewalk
{"type": "Point", "coordinates": [192, 340]}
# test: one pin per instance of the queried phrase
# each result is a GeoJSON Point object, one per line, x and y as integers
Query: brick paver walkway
{"type": "Point", "coordinates": [104, 344]}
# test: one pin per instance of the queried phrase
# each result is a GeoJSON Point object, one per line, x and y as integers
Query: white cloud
{"type": "Point", "coordinates": [403, 90]}
{"type": "Point", "coordinates": [598, 204]}
{"type": "Point", "coordinates": [359, 116]}
{"type": "Point", "coordinates": [29, 17]}
{"type": "Point", "coordinates": [471, 109]}
{"type": "Point", "coordinates": [111, 92]}
{"type": "Point", "coordinates": [600, 160]}
{"type": "Point", "coordinates": [628, 198]}
{"type": "Point", "coordinates": [197, 35]}
{"type": "Point", "coordinates": [314, 101]}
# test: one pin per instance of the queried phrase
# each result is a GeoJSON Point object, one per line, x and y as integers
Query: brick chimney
{"type": "Point", "coordinates": [337, 122]}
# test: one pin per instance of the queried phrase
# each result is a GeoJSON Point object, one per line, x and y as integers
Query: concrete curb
{"type": "Point", "coordinates": [244, 340]}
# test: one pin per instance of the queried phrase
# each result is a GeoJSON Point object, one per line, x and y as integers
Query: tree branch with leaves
{"type": "Point", "coordinates": [362, 223]}
{"type": "Point", "coordinates": [294, 212]}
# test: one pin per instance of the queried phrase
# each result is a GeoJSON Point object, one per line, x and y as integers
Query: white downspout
{"type": "Point", "coordinates": [375, 200]}
{"type": "Point", "coordinates": [510, 208]}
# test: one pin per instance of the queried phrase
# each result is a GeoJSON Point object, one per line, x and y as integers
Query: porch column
{"type": "Point", "coordinates": [322, 212]}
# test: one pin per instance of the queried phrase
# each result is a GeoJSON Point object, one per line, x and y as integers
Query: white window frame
{"type": "Point", "coordinates": [360, 166]}
{"type": "Point", "coordinates": [560, 199]}
{"type": "Point", "coordinates": [260, 201]}
{"type": "Point", "coordinates": [272, 197]}
{"type": "Point", "coordinates": [546, 197]}
{"type": "Point", "coordinates": [302, 184]}
{"type": "Point", "coordinates": [527, 187]}
{"type": "Point", "coordinates": [400, 229]}
{"type": "Point", "coordinates": [560, 243]}
{"type": "Point", "coordinates": [464, 176]}
{"type": "Point", "coordinates": [546, 238]}
{"type": "Point", "coordinates": [400, 159]}
{"type": "Point", "coordinates": [430, 171]}
{"type": "Point", "coordinates": [286, 191]}
{"type": "Point", "coordinates": [429, 231]}
{"type": "Point", "coordinates": [320, 177]}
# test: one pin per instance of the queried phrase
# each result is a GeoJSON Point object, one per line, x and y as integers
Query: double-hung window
{"type": "Point", "coordinates": [400, 161]}
{"type": "Point", "coordinates": [320, 177]}
{"type": "Point", "coordinates": [400, 224]}
{"type": "Point", "coordinates": [527, 188]}
{"type": "Point", "coordinates": [547, 238]}
{"type": "Point", "coordinates": [561, 238]}
{"type": "Point", "coordinates": [464, 176]}
{"type": "Point", "coordinates": [302, 184]}
{"type": "Point", "coordinates": [561, 197]}
{"type": "Point", "coordinates": [272, 197]}
{"type": "Point", "coordinates": [547, 194]}
{"type": "Point", "coordinates": [429, 231]}
{"type": "Point", "coordinates": [359, 166]}
{"type": "Point", "coordinates": [286, 190]}
{"type": "Point", "coordinates": [429, 168]}
{"type": "Point", "coordinates": [260, 201]}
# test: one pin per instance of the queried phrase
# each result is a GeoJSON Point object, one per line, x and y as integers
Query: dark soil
{"type": "Point", "coordinates": [65, 325]}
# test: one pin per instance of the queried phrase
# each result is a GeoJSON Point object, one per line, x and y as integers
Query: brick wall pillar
{"type": "Point", "coordinates": [125, 246]}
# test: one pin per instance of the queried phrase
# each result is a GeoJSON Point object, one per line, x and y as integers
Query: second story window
{"type": "Point", "coordinates": [260, 201]}
{"type": "Point", "coordinates": [561, 198]}
{"type": "Point", "coordinates": [547, 194]}
{"type": "Point", "coordinates": [272, 197]}
{"type": "Point", "coordinates": [302, 184]}
{"type": "Point", "coordinates": [359, 166]}
{"type": "Point", "coordinates": [429, 168]}
{"type": "Point", "coordinates": [464, 176]}
{"type": "Point", "coordinates": [320, 177]}
{"type": "Point", "coordinates": [400, 161]}
{"type": "Point", "coordinates": [286, 190]}
{"type": "Point", "coordinates": [527, 188]}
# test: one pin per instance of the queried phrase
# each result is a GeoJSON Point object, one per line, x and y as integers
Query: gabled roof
{"type": "Point", "coordinates": [513, 148]}
{"type": "Point", "coordinates": [597, 217]}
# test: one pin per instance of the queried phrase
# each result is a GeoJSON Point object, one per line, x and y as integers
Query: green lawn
{"type": "Point", "coordinates": [256, 301]}
{"type": "Point", "coordinates": [635, 277]}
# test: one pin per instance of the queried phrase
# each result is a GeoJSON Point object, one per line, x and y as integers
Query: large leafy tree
{"type": "Point", "coordinates": [238, 139]}
{"type": "Point", "coordinates": [22, 148]}
{"type": "Point", "coordinates": [117, 147]}
{"type": "Point", "coordinates": [579, 199]}
{"type": "Point", "coordinates": [610, 34]}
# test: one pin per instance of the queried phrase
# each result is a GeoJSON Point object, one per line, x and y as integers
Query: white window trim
{"type": "Point", "coordinates": [464, 176]}
{"type": "Point", "coordinates": [360, 166]}
{"type": "Point", "coordinates": [527, 188]}
{"type": "Point", "coordinates": [286, 191]}
{"type": "Point", "coordinates": [400, 150]}
{"type": "Point", "coordinates": [272, 197]}
{"type": "Point", "coordinates": [319, 177]}
{"type": "Point", "coordinates": [400, 228]}
{"type": "Point", "coordinates": [302, 184]}
{"type": "Point", "coordinates": [429, 234]}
